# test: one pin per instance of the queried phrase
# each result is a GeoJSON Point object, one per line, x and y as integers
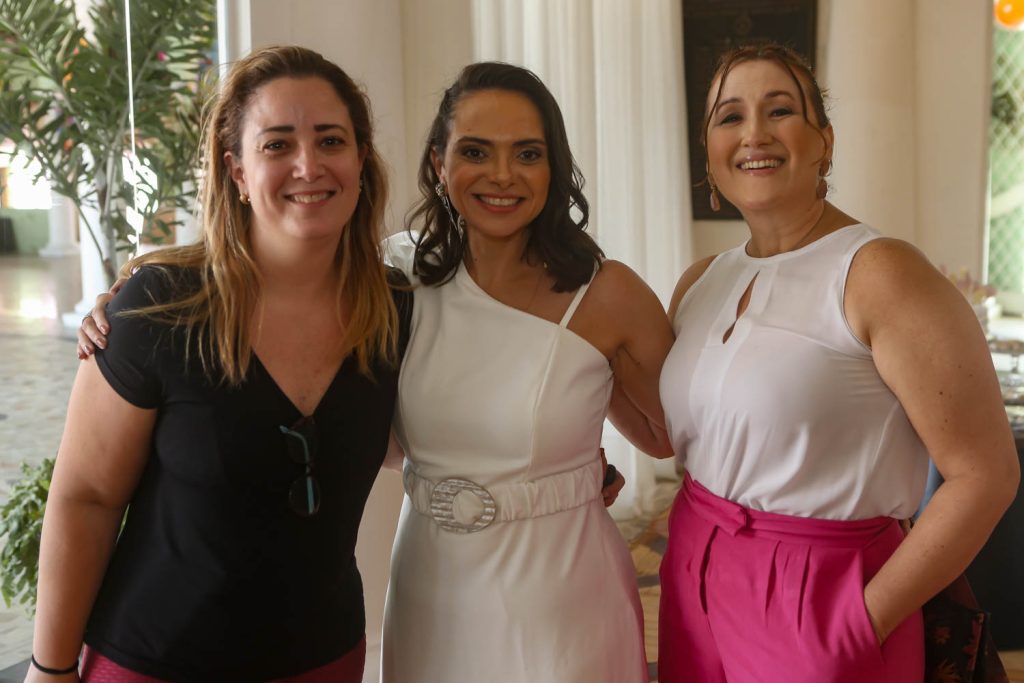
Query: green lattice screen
{"type": "Point", "coordinates": [1006, 222]}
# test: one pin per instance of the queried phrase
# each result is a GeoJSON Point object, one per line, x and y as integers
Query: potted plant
{"type": "Point", "coordinates": [21, 525]}
{"type": "Point", "coordinates": [65, 96]}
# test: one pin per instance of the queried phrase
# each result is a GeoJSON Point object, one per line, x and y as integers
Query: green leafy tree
{"type": "Point", "coordinates": [64, 101]}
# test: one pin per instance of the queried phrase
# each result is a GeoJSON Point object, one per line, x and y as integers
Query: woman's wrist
{"type": "Point", "coordinates": [877, 624]}
{"type": "Point", "coordinates": [52, 670]}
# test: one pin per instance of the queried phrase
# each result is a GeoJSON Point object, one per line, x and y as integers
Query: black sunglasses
{"type": "Point", "coordinates": [304, 492]}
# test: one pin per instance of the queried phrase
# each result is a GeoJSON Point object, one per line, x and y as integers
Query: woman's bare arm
{"type": "Point", "coordinates": [101, 457]}
{"type": "Point", "coordinates": [930, 350]}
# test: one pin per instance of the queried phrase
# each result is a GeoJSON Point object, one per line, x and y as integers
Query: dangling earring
{"type": "Point", "coordinates": [244, 198]}
{"type": "Point", "coordinates": [443, 195]}
{"type": "Point", "coordinates": [822, 189]}
{"type": "Point", "coordinates": [716, 205]}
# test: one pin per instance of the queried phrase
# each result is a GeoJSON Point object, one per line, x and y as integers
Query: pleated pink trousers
{"type": "Point", "coordinates": [749, 596]}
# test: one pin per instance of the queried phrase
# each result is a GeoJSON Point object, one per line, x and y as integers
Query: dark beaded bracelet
{"type": "Point", "coordinates": [54, 672]}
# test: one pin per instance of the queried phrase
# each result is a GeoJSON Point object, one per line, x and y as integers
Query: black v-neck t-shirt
{"type": "Point", "coordinates": [214, 577]}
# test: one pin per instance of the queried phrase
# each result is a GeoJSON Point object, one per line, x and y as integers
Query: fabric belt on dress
{"type": "Point", "coordinates": [463, 506]}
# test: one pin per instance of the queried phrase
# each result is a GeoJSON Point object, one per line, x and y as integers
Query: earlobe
{"type": "Point", "coordinates": [435, 159]}
{"type": "Point", "coordinates": [235, 171]}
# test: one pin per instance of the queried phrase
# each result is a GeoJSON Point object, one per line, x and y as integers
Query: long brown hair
{"type": "Point", "coordinates": [218, 315]}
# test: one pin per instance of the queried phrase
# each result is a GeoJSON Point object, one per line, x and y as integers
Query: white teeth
{"type": "Point", "coordinates": [763, 163]}
{"type": "Point", "coordinates": [499, 201]}
{"type": "Point", "coordinates": [310, 198]}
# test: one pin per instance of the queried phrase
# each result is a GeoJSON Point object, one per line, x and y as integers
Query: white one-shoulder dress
{"type": "Point", "coordinates": [500, 414]}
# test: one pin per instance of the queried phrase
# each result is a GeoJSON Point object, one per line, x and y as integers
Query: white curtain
{"type": "Point", "coordinates": [616, 69]}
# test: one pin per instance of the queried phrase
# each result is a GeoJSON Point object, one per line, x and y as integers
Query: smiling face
{"type": "Point", "coordinates": [299, 161]}
{"type": "Point", "coordinates": [762, 152]}
{"type": "Point", "coordinates": [495, 165]}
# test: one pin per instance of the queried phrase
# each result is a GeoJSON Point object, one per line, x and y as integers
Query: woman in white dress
{"type": "Point", "coordinates": [506, 566]}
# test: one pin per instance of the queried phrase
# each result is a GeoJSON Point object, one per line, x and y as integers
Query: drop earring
{"type": "Point", "coordinates": [244, 198]}
{"type": "Point", "coordinates": [716, 204]}
{"type": "Point", "coordinates": [822, 189]}
{"type": "Point", "coordinates": [443, 196]}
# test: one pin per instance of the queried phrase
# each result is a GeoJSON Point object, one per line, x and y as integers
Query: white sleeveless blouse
{"type": "Point", "coordinates": [789, 414]}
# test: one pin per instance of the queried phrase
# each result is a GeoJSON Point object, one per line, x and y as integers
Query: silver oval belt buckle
{"type": "Point", "coordinates": [442, 503]}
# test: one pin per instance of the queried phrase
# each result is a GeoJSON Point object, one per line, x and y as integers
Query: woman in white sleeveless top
{"type": "Point", "coordinates": [815, 370]}
{"type": "Point", "coordinates": [506, 566]}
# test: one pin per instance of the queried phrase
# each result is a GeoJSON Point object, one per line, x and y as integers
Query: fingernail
{"type": "Point", "coordinates": [102, 344]}
{"type": "Point", "coordinates": [104, 329]}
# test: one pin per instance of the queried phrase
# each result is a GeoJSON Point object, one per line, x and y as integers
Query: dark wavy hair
{"type": "Point", "coordinates": [556, 237]}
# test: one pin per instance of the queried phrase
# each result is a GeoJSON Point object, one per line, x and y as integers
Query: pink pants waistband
{"type": "Point", "coordinates": [734, 519]}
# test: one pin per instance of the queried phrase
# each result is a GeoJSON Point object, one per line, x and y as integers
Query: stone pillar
{"type": "Point", "coordinates": [868, 64]}
{"type": "Point", "coordinates": [234, 30]}
{"type": "Point", "coordinates": [94, 278]}
{"type": "Point", "coordinates": [63, 220]}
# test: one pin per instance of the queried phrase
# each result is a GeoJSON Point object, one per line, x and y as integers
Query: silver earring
{"type": "Point", "coordinates": [443, 195]}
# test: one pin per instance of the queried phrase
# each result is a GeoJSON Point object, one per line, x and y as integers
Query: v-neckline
{"type": "Point", "coordinates": [288, 399]}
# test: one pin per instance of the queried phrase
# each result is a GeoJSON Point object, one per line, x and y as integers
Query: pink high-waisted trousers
{"type": "Point", "coordinates": [757, 597]}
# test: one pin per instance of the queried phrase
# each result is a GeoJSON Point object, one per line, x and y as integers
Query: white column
{"type": "Point", "coordinates": [870, 70]}
{"type": "Point", "coordinates": [234, 30]}
{"type": "Point", "coordinates": [63, 220]}
{"type": "Point", "coordinates": [94, 278]}
{"type": "Point", "coordinates": [954, 85]}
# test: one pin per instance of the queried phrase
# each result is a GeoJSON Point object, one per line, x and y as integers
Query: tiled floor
{"type": "Point", "coordinates": [37, 363]}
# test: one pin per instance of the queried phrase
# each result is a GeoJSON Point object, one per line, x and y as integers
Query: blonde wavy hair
{"type": "Point", "coordinates": [218, 315]}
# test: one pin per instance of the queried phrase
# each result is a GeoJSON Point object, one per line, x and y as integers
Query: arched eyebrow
{"type": "Point", "coordinates": [319, 128]}
{"type": "Point", "coordinates": [484, 142]}
{"type": "Point", "coordinates": [768, 96]}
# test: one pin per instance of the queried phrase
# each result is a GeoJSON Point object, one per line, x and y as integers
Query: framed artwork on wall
{"type": "Point", "coordinates": [710, 27]}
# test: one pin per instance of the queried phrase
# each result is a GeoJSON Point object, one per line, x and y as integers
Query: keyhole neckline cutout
{"type": "Point", "coordinates": [741, 307]}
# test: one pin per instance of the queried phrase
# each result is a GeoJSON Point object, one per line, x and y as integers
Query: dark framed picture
{"type": "Point", "coordinates": [710, 27]}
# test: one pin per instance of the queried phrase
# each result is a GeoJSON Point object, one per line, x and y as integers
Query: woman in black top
{"type": "Point", "coordinates": [245, 399]}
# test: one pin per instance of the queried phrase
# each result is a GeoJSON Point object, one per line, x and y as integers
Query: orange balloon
{"type": "Point", "coordinates": [1010, 14]}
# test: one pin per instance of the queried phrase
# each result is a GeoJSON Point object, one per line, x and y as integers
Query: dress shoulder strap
{"type": "Point", "coordinates": [577, 299]}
